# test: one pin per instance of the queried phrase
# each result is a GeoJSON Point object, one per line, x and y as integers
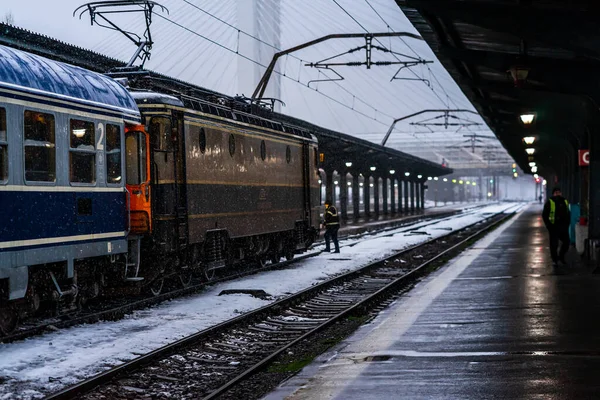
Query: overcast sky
{"type": "Point", "coordinates": [197, 47]}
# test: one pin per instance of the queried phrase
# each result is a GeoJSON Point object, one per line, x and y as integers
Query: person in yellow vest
{"type": "Point", "coordinates": [557, 217]}
{"type": "Point", "coordinates": [332, 225]}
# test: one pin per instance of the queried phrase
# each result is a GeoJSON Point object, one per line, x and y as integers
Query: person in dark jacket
{"type": "Point", "coordinates": [557, 218]}
{"type": "Point", "coordinates": [332, 225]}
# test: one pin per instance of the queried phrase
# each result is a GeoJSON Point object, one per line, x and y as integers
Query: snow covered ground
{"type": "Point", "coordinates": [30, 368]}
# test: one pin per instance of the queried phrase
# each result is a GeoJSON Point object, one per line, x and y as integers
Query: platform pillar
{"type": "Point", "coordinates": [376, 195]}
{"type": "Point", "coordinates": [417, 196]}
{"type": "Point", "coordinates": [392, 196]}
{"type": "Point", "coordinates": [367, 196]}
{"type": "Point", "coordinates": [344, 196]}
{"type": "Point", "coordinates": [412, 197]}
{"type": "Point", "coordinates": [422, 190]}
{"type": "Point", "coordinates": [406, 204]}
{"type": "Point", "coordinates": [356, 197]}
{"type": "Point", "coordinates": [329, 186]}
{"type": "Point", "coordinates": [384, 188]}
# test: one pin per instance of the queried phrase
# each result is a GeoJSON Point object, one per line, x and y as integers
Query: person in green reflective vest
{"type": "Point", "coordinates": [557, 217]}
{"type": "Point", "coordinates": [332, 225]}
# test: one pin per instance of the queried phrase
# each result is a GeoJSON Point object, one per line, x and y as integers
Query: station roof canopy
{"type": "Point", "coordinates": [515, 57]}
{"type": "Point", "coordinates": [339, 149]}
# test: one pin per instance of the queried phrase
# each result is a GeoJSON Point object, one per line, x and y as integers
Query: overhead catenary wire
{"type": "Point", "coordinates": [415, 52]}
{"type": "Point", "coordinates": [378, 41]}
{"type": "Point", "coordinates": [278, 48]}
{"type": "Point", "coordinates": [277, 72]}
{"type": "Point", "coordinates": [204, 62]}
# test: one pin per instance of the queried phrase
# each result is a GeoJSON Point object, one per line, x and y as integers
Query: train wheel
{"type": "Point", "coordinates": [8, 320]}
{"type": "Point", "coordinates": [289, 255]}
{"type": "Point", "coordinates": [262, 261]}
{"type": "Point", "coordinates": [185, 278]}
{"type": "Point", "coordinates": [275, 258]}
{"type": "Point", "coordinates": [209, 273]}
{"type": "Point", "coordinates": [156, 286]}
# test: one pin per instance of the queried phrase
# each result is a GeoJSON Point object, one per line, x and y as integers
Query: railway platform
{"type": "Point", "coordinates": [497, 322]}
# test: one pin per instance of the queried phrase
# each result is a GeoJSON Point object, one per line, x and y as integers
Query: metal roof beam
{"type": "Point", "coordinates": [527, 21]}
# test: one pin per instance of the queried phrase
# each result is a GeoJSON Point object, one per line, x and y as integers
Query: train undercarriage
{"type": "Point", "coordinates": [51, 293]}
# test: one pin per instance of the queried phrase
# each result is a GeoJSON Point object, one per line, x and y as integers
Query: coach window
{"type": "Point", "coordinates": [161, 134]}
{"type": "Point", "coordinates": [40, 147]}
{"type": "Point", "coordinates": [82, 154]}
{"type": "Point", "coordinates": [113, 154]}
{"type": "Point", "coordinates": [3, 147]}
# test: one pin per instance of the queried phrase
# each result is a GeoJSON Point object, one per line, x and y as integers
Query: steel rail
{"type": "Point", "coordinates": [124, 309]}
{"type": "Point", "coordinates": [361, 305]}
{"type": "Point", "coordinates": [165, 351]}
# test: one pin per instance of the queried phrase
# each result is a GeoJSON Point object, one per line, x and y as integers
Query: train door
{"type": "Point", "coordinates": [168, 180]}
{"type": "Point", "coordinates": [137, 162]}
{"type": "Point", "coordinates": [306, 178]}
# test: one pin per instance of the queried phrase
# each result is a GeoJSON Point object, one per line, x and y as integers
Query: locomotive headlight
{"type": "Point", "coordinates": [79, 132]}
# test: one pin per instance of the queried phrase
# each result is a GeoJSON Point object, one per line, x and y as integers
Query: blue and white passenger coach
{"type": "Point", "coordinates": [63, 199]}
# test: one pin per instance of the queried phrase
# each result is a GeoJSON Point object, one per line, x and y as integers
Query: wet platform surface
{"type": "Point", "coordinates": [497, 322]}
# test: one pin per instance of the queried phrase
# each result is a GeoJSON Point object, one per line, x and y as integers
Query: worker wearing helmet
{"type": "Point", "coordinates": [332, 225]}
{"type": "Point", "coordinates": [557, 218]}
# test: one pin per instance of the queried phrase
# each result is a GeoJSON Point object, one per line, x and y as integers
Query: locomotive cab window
{"type": "Point", "coordinates": [39, 147]}
{"type": "Point", "coordinates": [113, 154]}
{"type": "Point", "coordinates": [135, 152]}
{"type": "Point", "coordinates": [82, 152]}
{"type": "Point", "coordinates": [3, 147]}
{"type": "Point", "coordinates": [288, 154]}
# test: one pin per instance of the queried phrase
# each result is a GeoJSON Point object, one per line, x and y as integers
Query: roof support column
{"type": "Point", "coordinates": [344, 195]}
{"type": "Point", "coordinates": [393, 195]}
{"type": "Point", "coordinates": [384, 188]}
{"type": "Point", "coordinates": [422, 196]}
{"type": "Point", "coordinates": [376, 195]}
{"type": "Point", "coordinates": [329, 186]}
{"type": "Point", "coordinates": [417, 193]}
{"type": "Point", "coordinates": [367, 196]}
{"type": "Point", "coordinates": [406, 205]}
{"type": "Point", "coordinates": [412, 197]}
{"type": "Point", "coordinates": [355, 196]}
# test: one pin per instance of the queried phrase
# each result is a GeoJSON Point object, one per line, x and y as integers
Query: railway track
{"type": "Point", "coordinates": [214, 361]}
{"type": "Point", "coordinates": [113, 309]}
